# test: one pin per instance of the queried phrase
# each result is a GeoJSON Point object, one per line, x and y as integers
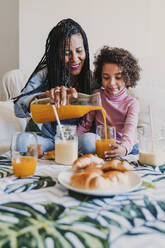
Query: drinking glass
{"type": "Point", "coordinates": [151, 146]}
{"type": "Point", "coordinates": [24, 154]}
{"type": "Point", "coordinates": [66, 145]}
{"type": "Point", "coordinates": [103, 144]}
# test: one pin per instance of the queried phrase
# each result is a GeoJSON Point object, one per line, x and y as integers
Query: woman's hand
{"type": "Point", "coordinates": [116, 151]}
{"type": "Point", "coordinates": [59, 95]}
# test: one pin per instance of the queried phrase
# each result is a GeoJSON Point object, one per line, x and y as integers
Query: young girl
{"type": "Point", "coordinates": [116, 70]}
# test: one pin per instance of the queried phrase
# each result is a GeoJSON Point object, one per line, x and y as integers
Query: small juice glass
{"type": "Point", "coordinates": [103, 144]}
{"type": "Point", "coordinates": [24, 154]}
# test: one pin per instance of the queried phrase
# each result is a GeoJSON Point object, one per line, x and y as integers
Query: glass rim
{"type": "Point", "coordinates": [102, 125]}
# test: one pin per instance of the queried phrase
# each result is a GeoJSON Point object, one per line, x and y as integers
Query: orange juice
{"type": "Point", "coordinates": [42, 113]}
{"type": "Point", "coordinates": [24, 166]}
{"type": "Point", "coordinates": [103, 145]}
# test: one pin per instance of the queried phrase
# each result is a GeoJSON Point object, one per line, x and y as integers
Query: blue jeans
{"type": "Point", "coordinates": [47, 144]}
{"type": "Point", "coordinates": [135, 150]}
{"type": "Point", "coordinates": [87, 144]}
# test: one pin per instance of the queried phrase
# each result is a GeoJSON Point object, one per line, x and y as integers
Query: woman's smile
{"type": "Point", "coordinates": [75, 67]}
{"type": "Point", "coordinates": [75, 54]}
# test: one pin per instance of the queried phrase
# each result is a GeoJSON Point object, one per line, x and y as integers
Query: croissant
{"type": "Point", "coordinates": [87, 179]}
{"type": "Point", "coordinates": [92, 177]}
{"type": "Point", "coordinates": [86, 160]}
{"type": "Point", "coordinates": [50, 155]}
{"type": "Point", "coordinates": [91, 180]}
{"type": "Point", "coordinates": [115, 176]}
{"type": "Point", "coordinates": [116, 164]}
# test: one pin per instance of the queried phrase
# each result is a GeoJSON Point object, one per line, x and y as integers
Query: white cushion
{"type": "Point", "coordinates": [9, 124]}
{"type": "Point", "coordinates": [12, 83]}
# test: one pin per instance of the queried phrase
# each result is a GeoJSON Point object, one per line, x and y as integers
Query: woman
{"type": "Point", "coordinates": [63, 69]}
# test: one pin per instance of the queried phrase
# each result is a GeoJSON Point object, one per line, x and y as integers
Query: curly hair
{"type": "Point", "coordinates": [124, 59]}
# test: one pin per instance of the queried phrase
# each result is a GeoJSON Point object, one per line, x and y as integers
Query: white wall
{"type": "Point", "coordinates": [137, 25]}
{"type": "Point", "coordinates": [9, 36]}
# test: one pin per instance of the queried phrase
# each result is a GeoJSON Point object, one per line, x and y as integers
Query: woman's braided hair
{"type": "Point", "coordinates": [124, 59]}
{"type": "Point", "coordinates": [54, 56]}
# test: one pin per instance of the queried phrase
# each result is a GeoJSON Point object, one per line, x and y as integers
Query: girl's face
{"type": "Point", "coordinates": [112, 79]}
{"type": "Point", "coordinates": [76, 53]}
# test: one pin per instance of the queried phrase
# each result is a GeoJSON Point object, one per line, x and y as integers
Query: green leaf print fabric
{"type": "Point", "coordinates": [39, 212]}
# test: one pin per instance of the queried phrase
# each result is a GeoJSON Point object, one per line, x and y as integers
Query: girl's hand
{"type": "Point", "coordinates": [116, 151]}
{"type": "Point", "coordinates": [59, 95]}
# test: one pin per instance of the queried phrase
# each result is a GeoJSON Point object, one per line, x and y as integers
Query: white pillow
{"type": "Point", "coordinates": [9, 123]}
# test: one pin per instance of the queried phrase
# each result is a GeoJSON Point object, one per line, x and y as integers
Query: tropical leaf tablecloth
{"type": "Point", "coordinates": [39, 212]}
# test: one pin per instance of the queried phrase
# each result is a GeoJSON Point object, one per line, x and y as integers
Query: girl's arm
{"type": "Point", "coordinates": [129, 135]}
{"type": "Point", "coordinates": [130, 127]}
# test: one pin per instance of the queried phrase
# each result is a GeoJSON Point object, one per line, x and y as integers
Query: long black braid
{"type": "Point", "coordinates": [54, 58]}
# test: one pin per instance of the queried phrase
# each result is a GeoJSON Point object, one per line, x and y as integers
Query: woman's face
{"type": "Point", "coordinates": [76, 53]}
{"type": "Point", "coordinates": [112, 79]}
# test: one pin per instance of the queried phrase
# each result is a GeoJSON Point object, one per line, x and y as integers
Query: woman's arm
{"type": "Point", "coordinates": [22, 105]}
{"type": "Point", "coordinates": [57, 95]}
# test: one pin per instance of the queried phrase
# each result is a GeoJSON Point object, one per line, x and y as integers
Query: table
{"type": "Point", "coordinates": [39, 212]}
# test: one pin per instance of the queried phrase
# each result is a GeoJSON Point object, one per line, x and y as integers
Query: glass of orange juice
{"type": "Point", "coordinates": [103, 141]}
{"type": "Point", "coordinates": [24, 154]}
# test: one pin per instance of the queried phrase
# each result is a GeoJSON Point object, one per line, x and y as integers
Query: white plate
{"type": "Point", "coordinates": [134, 181]}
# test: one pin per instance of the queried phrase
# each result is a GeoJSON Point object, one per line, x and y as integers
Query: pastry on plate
{"type": "Point", "coordinates": [50, 155]}
{"type": "Point", "coordinates": [86, 160]}
{"type": "Point", "coordinates": [116, 164]}
{"type": "Point", "coordinates": [86, 179]}
{"type": "Point", "coordinates": [97, 174]}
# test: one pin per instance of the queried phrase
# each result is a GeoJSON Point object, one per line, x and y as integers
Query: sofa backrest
{"type": "Point", "coordinates": [9, 123]}
{"type": "Point", "coordinates": [12, 83]}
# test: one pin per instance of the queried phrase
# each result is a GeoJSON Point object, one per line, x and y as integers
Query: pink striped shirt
{"type": "Point", "coordinates": [122, 112]}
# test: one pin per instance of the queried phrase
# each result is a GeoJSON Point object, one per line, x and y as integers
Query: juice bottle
{"type": "Point", "coordinates": [42, 111]}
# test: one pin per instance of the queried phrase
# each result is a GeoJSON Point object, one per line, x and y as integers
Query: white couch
{"type": "Point", "coordinates": [12, 83]}
{"type": "Point", "coordinates": [9, 124]}
{"type": "Point", "coordinates": [10, 86]}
